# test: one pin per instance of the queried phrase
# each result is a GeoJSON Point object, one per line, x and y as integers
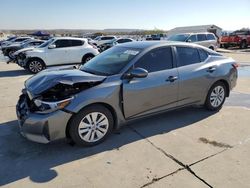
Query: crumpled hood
{"type": "Point", "coordinates": [47, 79]}
{"type": "Point", "coordinates": [24, 50]}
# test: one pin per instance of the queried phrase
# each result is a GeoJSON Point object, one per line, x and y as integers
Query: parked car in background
{"type": "Point", "coordinates": [57, 51]}
{"type": "Point", "coordinates": [126, 82]}
{"type": "Point", "coordinates": [8, 39]}
{"type": "Point", "coordinates": [104, 39]}
{"type": "Point", "coordinates": [112, 43]}
{"type": "Point", "coordinates": [239, 38]}
{"type": "Point", "coordinates": [208, 40]}
{"type": "Point", "coordinates": [17, 40]}
{"type": "Point", "coordinates": [12, 48]}
{"type": "Point", "coordinates": [122, 40]}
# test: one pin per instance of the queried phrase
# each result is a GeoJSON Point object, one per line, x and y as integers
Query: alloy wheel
{"type": "Point", "coordinates": [217, 96]}
{"type": "Point", "coordinates": [11, 54]}
{"type": "Point", "coordinates": [35, 66]}
{"type": "Point", "coordinates": [93, 127]}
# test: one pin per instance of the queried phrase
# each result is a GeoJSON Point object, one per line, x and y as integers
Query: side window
{"type": "Point", "coordinates": [120, 41]}
{"type": "Point", "coordinates": [210, 37]}
{"type": "Point", "coordinates": [126, 40]}
{"type": "Point", "coordinates": [76, 43]}
{"type": "Point", "coordinates": [156, 60]}
{"type": "Point", "coordinates": [192, 38]}
{"type": "Point", "coordinates": [203, 55]}
{"type": "Point", "coordinates": [62, 43]}
{"type": "Point", "coordinates": [20, 40]}
{"type": "Point", "coordinates": [201, 37]}
{"type": "Point", "coordinates": [187, 56]}
{"type": "Point", "coordinates": [107, 38]}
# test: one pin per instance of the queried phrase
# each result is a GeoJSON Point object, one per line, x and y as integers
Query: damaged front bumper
{"type": "Point", "coordinates": [41, 128]}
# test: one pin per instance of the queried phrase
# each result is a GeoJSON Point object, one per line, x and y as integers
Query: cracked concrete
{"type": "Point", "coordinates": [175, 149]}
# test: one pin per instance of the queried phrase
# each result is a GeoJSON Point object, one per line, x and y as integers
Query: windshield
{"type": "Point", "coordinates": [180, 37]}
{"type": "Point", "coordinates": [110, 62]}
{"type": "Point", "coordinates": [45, 44]}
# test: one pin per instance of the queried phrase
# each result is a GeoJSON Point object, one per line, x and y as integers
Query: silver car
{"type": "Point", "coordinates": [126, 82]}
{"type": "Point", "coordinates": [208, 40]}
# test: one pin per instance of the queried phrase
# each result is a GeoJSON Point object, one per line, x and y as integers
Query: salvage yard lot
{"type": "Point", "coordinates": [185, 148]}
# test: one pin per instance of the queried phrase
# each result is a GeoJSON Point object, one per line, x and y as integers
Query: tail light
{"type": "Point", "coordinates": [235, 65]}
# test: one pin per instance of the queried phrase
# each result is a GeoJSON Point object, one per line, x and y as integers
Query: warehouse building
{"type": "Point", "coordinates": [196, 29]}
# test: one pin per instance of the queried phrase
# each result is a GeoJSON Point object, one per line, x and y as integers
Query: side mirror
{"type": "Point", "coordinates": [52, 46]}
{"type": "Point", "coordinates": [137, 73]}
{"type": "Point", "coordinates": [189, 40]}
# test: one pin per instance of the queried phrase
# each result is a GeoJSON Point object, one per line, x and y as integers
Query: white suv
{"type": "Point", "coordinates": [58, 51]}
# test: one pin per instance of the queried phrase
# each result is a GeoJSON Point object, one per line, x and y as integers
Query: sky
{"type": "Point", "coordinates": [123, 14]}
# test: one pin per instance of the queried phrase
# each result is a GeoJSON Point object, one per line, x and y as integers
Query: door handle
{"type": "Point", "coordinates": [171, 78]}
{"type": "Point", "coordinates": [211, 69]}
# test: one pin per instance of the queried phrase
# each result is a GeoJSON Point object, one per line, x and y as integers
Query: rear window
{"type": "Point", "coordinates": [203, 54]}
{"type": "Point", "coordinates": [201, 37]}
{"type": "Point", "coordinates": [77, 42]}
{"type": "Point", "coordinates": [107, 38]}
{"type": "Point", "coordinates": [21, 39]}
{"type": "Point", "coordinates": [210, 37]}
{"type": "Point", "coordinates": [187, 56]}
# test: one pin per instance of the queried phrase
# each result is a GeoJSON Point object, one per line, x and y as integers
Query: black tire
{"type": "Point", "coordinates": [81, 117]}
{"type": "Point", "coordinates": [211, 47]}
{"type": "Point", "coordinates": [243, 44]}
{"type": "Point", "coordinates": [86, 58]}
{"type": "Point", "coordinates": [210, 103]}
{"type": "Point", "coordinates": [10, 54]}
{"type": "Point", "coordinates": [35, 65]}
{"type": "Point", "coordinates": [226, 46]}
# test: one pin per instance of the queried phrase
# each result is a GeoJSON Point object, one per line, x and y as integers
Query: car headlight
{"type": "Point", "coordinates": [47, 107]}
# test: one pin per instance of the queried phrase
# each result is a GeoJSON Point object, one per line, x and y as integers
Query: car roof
{"type": "Point", "coordinates": [194, 33]}
{"type": "Point", "coordinates": [70, 38]}
{"type": "Point", "coordinates": [154, 44]}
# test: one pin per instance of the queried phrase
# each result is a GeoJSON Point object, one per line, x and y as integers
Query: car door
{"type": "Point", "coordinates": [192, 38]}
{"type": "Point", "coordinates": [76, 51]}
{"type": "Point", "coordinates": [158, 91]}
{"type": "Point", "coordinates": [194, 75]}
{"type": "Point", "coordinates": [59, 54]}
{"type": "Point", "coordinates": [202, 40]}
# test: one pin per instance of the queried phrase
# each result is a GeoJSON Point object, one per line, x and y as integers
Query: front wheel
{"type": "Point", "coordinates": [34, 66]}
{"type": "Point", "coordinates": [11, 54]}
{"type": "Point", "coordinates": [216, 97]}
{"type": "Point", "coordinates": [91, 125]}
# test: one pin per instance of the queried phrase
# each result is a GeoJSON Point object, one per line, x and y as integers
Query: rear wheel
{"type": "Point", "coordinates": [243, 44]}
{"type": "Point", "coordinates": [91, 125]}
{"type": "Point", "coordinates": [86, 58]}
{"type": "Point", "coordinates": [35, 65]}
{"type": "Point", "coordinates": [211, 47]}
{"type": "Point", "coordinates": [216, 96]}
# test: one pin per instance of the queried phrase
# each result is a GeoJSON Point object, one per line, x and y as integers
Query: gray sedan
{"type": "Point", "coordinates": [124, 83]}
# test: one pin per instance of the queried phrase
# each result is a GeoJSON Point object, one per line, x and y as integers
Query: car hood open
{"type": "Point", "coordinates": [47, 79]}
